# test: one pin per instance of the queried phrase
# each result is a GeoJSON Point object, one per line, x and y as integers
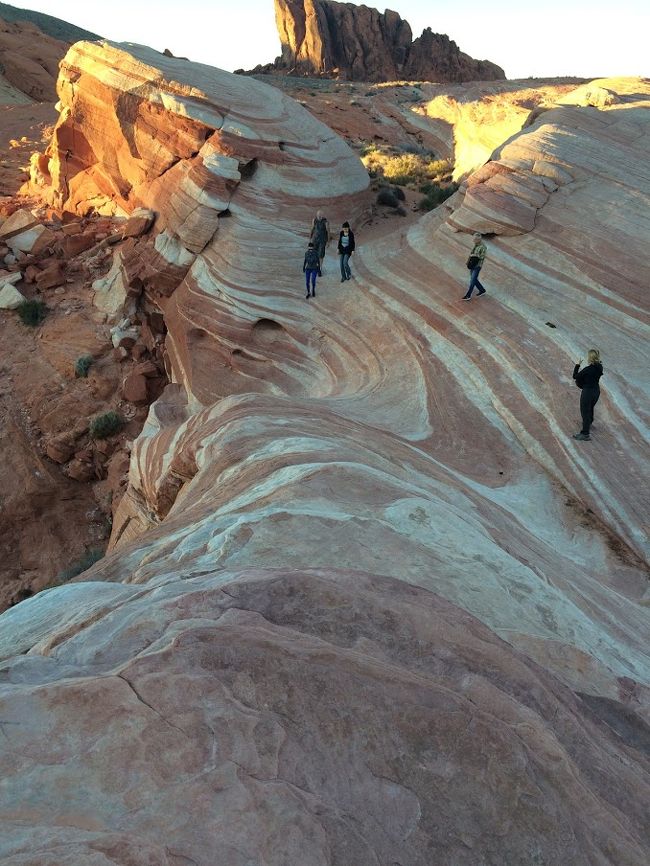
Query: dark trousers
{"type": "Point", "coordinates": [588, 399]}
{"type": "Point", "coordinates": [474, 283]}
{"type": "Point", "coordinates": [344, 259]}
{"type": "Point", "coordinates": [310, 277]}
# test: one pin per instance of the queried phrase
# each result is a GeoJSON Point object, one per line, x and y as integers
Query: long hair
{"type": "Point", "coordinates": [593, 356]}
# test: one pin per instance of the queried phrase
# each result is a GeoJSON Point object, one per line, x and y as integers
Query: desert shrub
{"type": "Point", "coordinates": [387, 197]}
{"type": "Point", "coordinates": [439, 168]}
{"type": "Point", "coordinates": [399, 193]}
{"type": "Point", "coordinates": [82, 365]}
{"type": "Point", "coordinates": [103, 426]}
{"type": "Point", "coordinates": [400, 211]}
{"type": "Point", "coordinates": [413, 165]}
{"type": "Point", "coordinates": [368, 149]}
{"type": "Point", "coordinates": [32, 313]}
{"type": "Point", "coordinates": [403, 169]}
{"type": "Point", "coordinates": [89, 558]}
{"type": "Point", "coordinates": [435, 195]}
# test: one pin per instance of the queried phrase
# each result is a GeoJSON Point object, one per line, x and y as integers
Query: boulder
{"type": "Point", "coordinates": [77, 243]}
{"type": "Point", "coordinates": [10, 297]}
{"type": "Point", "coordinates": [10, 278]}
{"type": "Point", "coordinates": [23, 233]}
{"type": "Point", "coordinates": [72, 229]}
{"type": "Point", "coordinates": [139, 223]}
{"type": "Point", "coordinates": [147, 368]}
{"type": "Point", "coordinates": [111, 289]}
{"type": "Point", "coordinates": [32, 241]}
{"type": "Point", "coordinates": [60, 448]}
{"type": "Point", "coordinates": [126, 337]}
{"type": "Point", "coordinates": [80, 470]}
{"type": "Point", "coordinates": [134, 387]}
{"type": "Point", "coordinates": [51, 277]}
{"type": "Point", "coordinates": [20, 221]}
{"type": "Point", "coordinates": [31, 272]}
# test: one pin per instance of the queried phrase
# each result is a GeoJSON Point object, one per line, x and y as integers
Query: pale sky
{"type": "Point", "coordinates": [585, 38]}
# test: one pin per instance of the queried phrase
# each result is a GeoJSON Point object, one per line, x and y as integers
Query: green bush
{"type": "Point", "coordinates": [387, 197]}
{"type": "Point", "coordinates": [82, 365]}
{"type": "Point", "coordinates": [106, 425]}
{"type": "Point", "coordinates": [436, 195]}
{"type": "Point", "coordinates": [32, 313]}
{"type": "Point", "coordinates": [368, 149]}
{"type": "Point", "coordinates": [403, 169]}
{"type": "Point", "coordinates": [412, 165]}
{"type": "Point", "coordinates": [89, 558]}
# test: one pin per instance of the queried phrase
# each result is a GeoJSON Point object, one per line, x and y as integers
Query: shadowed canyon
{"type": "Point", "coordinates": [365, 600]}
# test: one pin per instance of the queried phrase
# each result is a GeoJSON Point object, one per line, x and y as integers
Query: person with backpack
{"type": "Point", "coordinates": [345, 248]}
{"type": "Point", "coordinates": [474, 264]}
{"type": "Point", "coordinates": [320, 235]}
{"type": "Point", "coordinates": [311, 269]}
{"type": "Point", "coordinates": [587, 380]}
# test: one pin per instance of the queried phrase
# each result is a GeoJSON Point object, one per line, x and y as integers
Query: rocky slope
{"type": "Point", "coordinates": [59, 481]}
{"type": "Point", "coordinates": [57, 28]}
{"type": "Point", "coordinates": [362, 44]}
{"type": "Point", "coordinates": [30, 61]}
{"type": "Point", "coordinates": [367, 600]}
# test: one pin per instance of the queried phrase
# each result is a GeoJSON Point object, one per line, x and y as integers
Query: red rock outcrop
{"type": "Point", "coordinates": [340, 510]}
{"type": "Point", "coordinates": [362, 44]}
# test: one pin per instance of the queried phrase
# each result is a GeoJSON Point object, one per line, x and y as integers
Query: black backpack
{"type": "Point", "coordinates": [312, 260]}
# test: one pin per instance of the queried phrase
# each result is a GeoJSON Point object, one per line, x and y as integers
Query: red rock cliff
{"type": "Point", "coordinates": [359, 43]}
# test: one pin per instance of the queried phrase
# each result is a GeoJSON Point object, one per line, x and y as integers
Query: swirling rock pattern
{"type": "Point", "coordinates": [250, 654]}
{"type": "Point", "coordinates": [291, 716]}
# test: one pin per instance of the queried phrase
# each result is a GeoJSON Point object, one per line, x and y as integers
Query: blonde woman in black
{"type": "Point", "coordinates": [587, 380]}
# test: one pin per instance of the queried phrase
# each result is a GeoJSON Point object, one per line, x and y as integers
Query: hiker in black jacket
{"type": "Point", "coordinates": [587, 380]}
{"type": "Point", "coordinates": [311, 269]}
{"type": "Point", "coordinates": [346, 248]}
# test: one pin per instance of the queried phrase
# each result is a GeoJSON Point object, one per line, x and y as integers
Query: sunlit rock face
{"type": "Point", "coordinates": [367, 600]}
{"type": "Point", "coordinates": [360, 43]}
{"type": "Point", "coordinates": [471, 120]}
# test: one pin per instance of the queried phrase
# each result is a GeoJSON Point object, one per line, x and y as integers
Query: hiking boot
{"type": "Point", "coordinates": [584, 437]}
{"type": "Point", "coordinates": [484, 292]}
{"type": "Point", "coordinates": [343, 279]}
{"type": "Point", "coordinates": [465, 298]}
